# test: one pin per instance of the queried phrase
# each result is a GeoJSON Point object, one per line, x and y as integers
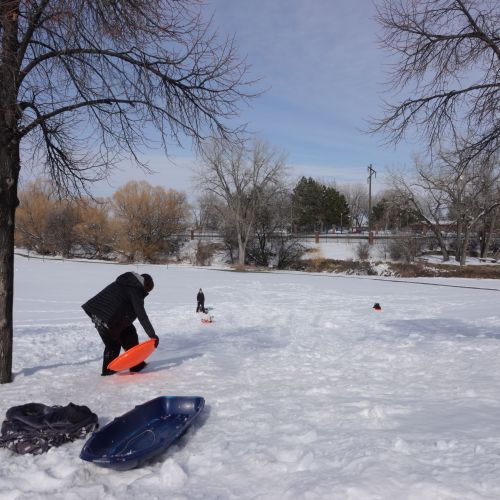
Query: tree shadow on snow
{"type": "Point", "coordinates": [161, 364]}
{"type": "Point", "coordinates": [257, 336]}
{"type": "Point", "coordinates": [32, 370]}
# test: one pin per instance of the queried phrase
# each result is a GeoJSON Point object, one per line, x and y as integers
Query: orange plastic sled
{"type": "Point", "coordinates": [133, 356]}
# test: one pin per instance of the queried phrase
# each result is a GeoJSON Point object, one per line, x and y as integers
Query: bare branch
{"type": "Point", "coordinates": [447, 54]}
{"type": "Point", "coordinates": [117, 68]}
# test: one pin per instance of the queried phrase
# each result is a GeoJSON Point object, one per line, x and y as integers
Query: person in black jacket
{"type": "Point", "coordinates": [113, 312]}
{"type": "Point", "coordinates": [200, 299]}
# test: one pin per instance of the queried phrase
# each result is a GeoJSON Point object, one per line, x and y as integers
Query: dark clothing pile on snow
{"type": "Point", "coordinates": [34, 427]}
{"type": "Point", "coordinates": [119, 305]}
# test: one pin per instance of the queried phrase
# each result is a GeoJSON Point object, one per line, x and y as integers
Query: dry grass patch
{"type": "Point", "coordinates": [398, 269]}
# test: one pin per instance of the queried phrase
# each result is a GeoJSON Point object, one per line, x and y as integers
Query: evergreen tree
{"type": "Point", "coordinates": [317, 207]}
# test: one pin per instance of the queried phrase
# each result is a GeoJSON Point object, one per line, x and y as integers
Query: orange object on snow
{"type": "Point", "coordinates": [133, 356]}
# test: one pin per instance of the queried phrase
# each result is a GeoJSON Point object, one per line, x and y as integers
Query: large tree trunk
{"type": "Point", "coordinates": [9, 174]}
{"type": "Point", "coordinates": [459, 240]}
{"type": "Point", "coordinates": [465, 246]}
{"type": "Point", "coordinates": [488, 229]}
{"type": "Point", "coordinates": [241, 250]}
{"type": "Point", "coordinates": [9, 168]}
{"type": "Point", "coordinates": [442, 243]}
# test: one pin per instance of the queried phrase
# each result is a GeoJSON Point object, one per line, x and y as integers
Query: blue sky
{"type": "Point", "coordinates": [323, 76]}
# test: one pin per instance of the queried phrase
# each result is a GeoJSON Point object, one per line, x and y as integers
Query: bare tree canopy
{"type": "Point", "coordinates": [451, 187]}
{"type": "Point", "coordinates": [91, 77]}
{"type": "Point", "coordinates": [84, 83]}
{"type": "Point", "coordinates": [356, 196]}
{"type": "Point", "coordinates": [149, 218]}
{"type": "Point", "coordinates": [244, 180]}
{"type": "Point", "coordinates": [448, 63]}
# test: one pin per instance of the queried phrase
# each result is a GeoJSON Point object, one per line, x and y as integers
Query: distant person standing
{"type": "Point", "coordinates": [200, 299]}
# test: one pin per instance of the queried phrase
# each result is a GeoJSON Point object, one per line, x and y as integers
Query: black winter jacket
{"type": "Point", "coordinates": [119, 305]}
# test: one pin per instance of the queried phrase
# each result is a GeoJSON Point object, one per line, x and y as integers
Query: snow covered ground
{"type": "Point", "coordinates": [310, 393]}
{"type": "Point", "coordinates": [339, 249]}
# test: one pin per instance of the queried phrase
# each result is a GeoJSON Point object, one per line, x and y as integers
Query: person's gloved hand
{"type": "Point", "coordinates": [157, 340]}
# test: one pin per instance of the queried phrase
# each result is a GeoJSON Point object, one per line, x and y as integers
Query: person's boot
{"type": "Point", "coordinates": [139, 367]}
{"type": "Point", "coordinates": [109, 355]}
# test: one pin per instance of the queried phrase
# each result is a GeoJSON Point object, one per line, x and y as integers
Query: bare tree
{"type": "Point", "coordinates": [272, 244]}
{"type": "Point", "coordinates": [208, 214]}
{"type": "Point", "coordinates": [469, 186]}
{"type": "Point", "coordinates": [356, 196]}
{"type": "Point", "coordinates": [243, 180]}
{"type": "Point", "coordinates": [448, 61]}
{"type": "Point", "coordinates": [94, 234]}
{"type": "Point", "coordinates": [486, 232]}
{"type": "Point", "coordinates": [83, 82]}
{"type": "Point", "coordinates": [426, 197]}
{"type": "Point", "coordinates": [488, 197]}
{"type": "Point", "coordinates": [37, 204]}
{"type": "Point", "coordinates": [454, 186]}
{"type": "Point", "coordinates": [63, 219]}
{"type": "Point", "coordinates": [150, 219]}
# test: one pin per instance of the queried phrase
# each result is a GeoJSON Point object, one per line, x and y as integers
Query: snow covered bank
{"type": "Point", "coordinates": [310, 393]}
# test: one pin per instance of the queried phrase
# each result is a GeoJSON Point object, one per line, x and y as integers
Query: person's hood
{"type": "Point", "coordinates": [133, 280]}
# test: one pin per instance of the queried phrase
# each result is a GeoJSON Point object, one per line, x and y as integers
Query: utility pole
{"type": "Point", "coordinates": [371, 172]}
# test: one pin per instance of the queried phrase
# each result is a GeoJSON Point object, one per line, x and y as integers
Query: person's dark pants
{"type": "Point", "coordinates": [200, 307]}
{"type": "Point", "coordinates": [128, 339]}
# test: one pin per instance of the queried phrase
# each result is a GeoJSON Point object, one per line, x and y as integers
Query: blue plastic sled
{"type": "Point", "coordinates": [142, 433]}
